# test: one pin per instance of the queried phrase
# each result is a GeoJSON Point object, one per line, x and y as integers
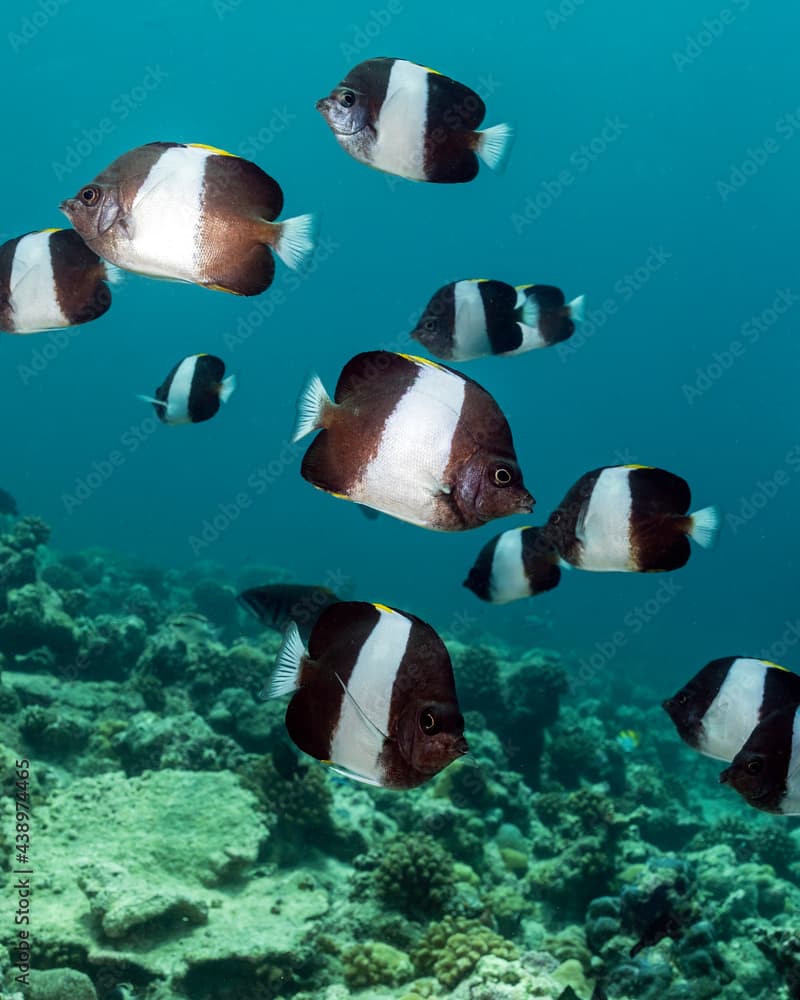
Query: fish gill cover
{"type": "Point", "coordinates": [588, 215]}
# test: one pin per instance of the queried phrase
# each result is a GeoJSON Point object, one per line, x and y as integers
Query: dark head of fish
{"type": "Point", "coordinates": [430, 735]}
{"type": "Point", "coordinates": [479, 578]}
{"type": "Point", "coordinates": [346, 111]}
{"type": "Point", "coordinates": [435, 328]}
{"type": "Point", "coordinates": [489, 486]}
{"type": "Point", "coordinates": [686, 713]}
{"type": "Point", "coordinates": [355, 102]}
{"type": "Point", "coordinates": [93, 210]}
{"type": "Point", "coordinates": [753, 777]}
{"type": "Point", "coordinates": [759, 771]}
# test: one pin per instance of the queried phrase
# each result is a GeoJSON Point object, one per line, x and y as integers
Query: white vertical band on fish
{"type": "Point", "coordinates": [168, 209]}
{"type": "Point", "coordinates": [177, 411]}
{"type": "Point", "coordinates": [33, 285]}
{"type": "Point", "coordinates": [737, 707]}
{"type": "Point", "coordinates": [603, 527]}
{"type": "Point", "coordinates": [470, 333]}
{"type": "Point", "coordinates": [421, 425]}
{"type": "Point", "coordinates": [400, 143]}
{"type": "Point", "coordinates": [508, 578]}
{"type": "Point", "coordinates": [369, 691]}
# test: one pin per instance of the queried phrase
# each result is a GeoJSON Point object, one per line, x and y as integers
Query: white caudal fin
{"type": "Point", "coordinates": [287, 664]}
{"type": "Point", "coordinates": [529, 314]}
{"type": "Point", "coordinates": [226, 387]}
{"type": "Point", "coordinates": [704, 525]}
{"type": "Point", "coordinates": [297, 239]}
{"type": "Point", "coordinates": [311, 405]}
{"type": "Point", "coordinates": [577, 309]}
{"type": "Point", "coordinates": [494, 145]}
{"type": "Point", "coordinates": [151, 399]}
{"type": "Point", "coordinates": [114, 275]}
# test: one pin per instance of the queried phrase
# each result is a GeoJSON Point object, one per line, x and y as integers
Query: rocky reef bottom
{"type": "Point", "coordinates": [179, 847]}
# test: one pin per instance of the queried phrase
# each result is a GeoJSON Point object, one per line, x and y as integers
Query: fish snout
{"type": "Point", "coordinates": [461, 746]}
{"type": "Point", "coordinates": [322, 105]}
{"type": "Point", "coordinates": [67, 207]}
{"type": "Point", "coordinates": [725, 776]}
{"type": "Point", "coordinates": [526, 502]}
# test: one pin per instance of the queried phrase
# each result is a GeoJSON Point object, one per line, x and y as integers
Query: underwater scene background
{"type": "Point", "coordinates": [181, 847]}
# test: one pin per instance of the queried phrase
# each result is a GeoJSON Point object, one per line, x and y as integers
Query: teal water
{"type": "Point", "coordinates": [654, 171]}
{"type": "Point", "coordinates": [632, 125]}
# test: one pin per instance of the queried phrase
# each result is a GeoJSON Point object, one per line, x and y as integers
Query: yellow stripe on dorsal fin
{"type": "Point", "coordinates": [777, 666]}
{"type": "Point", "coordinates": [633, 465]}
{"type": "Point", "coordinates": [213, 149]}
{"type": "Point", "coordinates": [521, 288]}
{"type": "Point", "coordinates": [429, 69]}
{"type": "Point", "coordinates": [476, 281]}
{"type": "Point", "coordinates": [383, 607]}
{"type": "Point", "coordinates": [57, 229]}
{"type": "Point", "coordinates": [421, 361]}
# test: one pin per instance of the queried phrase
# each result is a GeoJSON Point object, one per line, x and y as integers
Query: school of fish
{"type": "Point", "coordinates": [372, 688]}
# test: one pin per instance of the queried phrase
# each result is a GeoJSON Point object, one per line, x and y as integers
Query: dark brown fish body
{"type": "Point", "coordinates": [766, 771]}
{"type": "Point", "coordinates": [190, 213]}
{"type": "Point", "coordinates": [517, 563]}
{"type": "Point", "coordinates": [374, 695]}
{"type": "Point", "coordinates": [193, 390]}
{"type": "Point", "coordinates": [476, 318]}
{"type": "Point", "coordinates": [413, 439]}
{"type": "Point", "coordinates": [409, 120]}
{"type": "Point", "coordinates": [629, 518]}
{"type": "Point", "coordinates": [51, 279]}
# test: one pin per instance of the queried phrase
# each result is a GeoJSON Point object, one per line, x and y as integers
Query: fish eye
{"type": "Point", "coordinates": [427, 721]}
{"type": "Point", "coordinates": [347, 98]}
{"type": "Point", "coordinates": [754, 766]}
{"type": "Point", "coordinates": [502, 476]}
{"type": "Point", "coordinates": [429, 326]}
{"type": "Point", "coordinates": [682, 699]}
{"type": "Point", "coordinates": [89, 195]}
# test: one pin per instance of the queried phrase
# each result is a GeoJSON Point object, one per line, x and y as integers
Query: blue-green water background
{"type": "Point", "coordinates": [90, 82]}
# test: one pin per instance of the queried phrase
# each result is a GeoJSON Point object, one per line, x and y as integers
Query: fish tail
{"type": "Point", "coordinates": [529, 313]}
{"type": "Point", "coordinates": [295, 239]}
{"type": "Point", "coordinates": [494, 145]}
{"type": "Point", "coordinates": [703, 526]}
{"type": "Point", "coordinates": [286, 677]}
{"type": "Point", "coordinates": [577, 309]}
{"type": "Point", "coordinates": [311, 407]}
{"type": "Point", "coordinates": [226, 387]}
{"type": "Point", "coordinates": [151, 399]}
{"type": "Point", "coordinates": [114, 275]}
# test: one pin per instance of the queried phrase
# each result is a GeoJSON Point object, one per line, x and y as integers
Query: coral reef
{"type": "Point", "coordinates": [411, 873]}
{"type": "Point", "coordinates": [185, 850]}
